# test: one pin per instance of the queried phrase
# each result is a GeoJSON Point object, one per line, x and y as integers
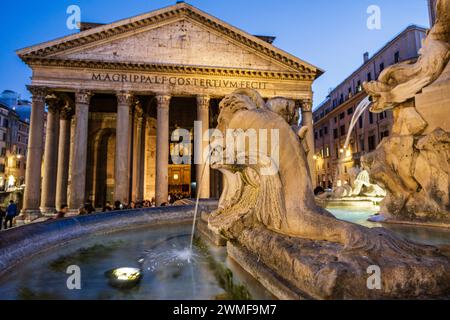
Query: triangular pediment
{"type": "Point", "coordinates": [182, 42]}
{"type": "Point", "coordinates": [177, 35]}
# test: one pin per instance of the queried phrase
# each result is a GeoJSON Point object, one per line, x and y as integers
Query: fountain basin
{"type": "Point", "coordinates": [35, 259]}
{"type": "Point", "coordinates": [24, 242]}
{"type": "Point", "coordinates": [327, 201]}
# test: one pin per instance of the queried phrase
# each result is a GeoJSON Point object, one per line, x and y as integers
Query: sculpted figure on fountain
{"type": "Point", "coordinates": [413, 163]}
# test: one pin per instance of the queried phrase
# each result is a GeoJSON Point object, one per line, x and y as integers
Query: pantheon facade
{"type": "Point", "coordinates": [115, 92]}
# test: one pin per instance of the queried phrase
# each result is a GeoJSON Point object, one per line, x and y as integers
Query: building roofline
{"type": "Point", "coordinates": [375, 55]}
{"type": "Point", "coordinates": [49, 48]}
{"type": "Point", "coordinates": [342, 107]}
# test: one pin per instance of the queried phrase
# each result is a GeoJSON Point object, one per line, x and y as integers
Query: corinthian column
{"type": "Point", "coordinates": [125, 102]}
{"type": "Point", "coordinates": [50, 156]}
{"type": "Point", "coordinates": [162, 149]}
{"type": "Point", "coordinates": [307, 121]}
{"type": "Point", "coordinates": [79, 152]}
{"type": "Point", "coordinates": [140, 190]}
{"type": "Point", "coordinates": [34, 155]}
{"type": "Point", "coordinates": [63, 157]}
{"type": "Point", "coordinates": [137, 155]}
{"type": "Point", "coordinates": [203, 187]}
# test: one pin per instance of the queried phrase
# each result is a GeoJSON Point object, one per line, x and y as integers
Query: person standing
{"type": "Point", "coordinates": [82, 211]}
{"type": "Point", "coordinates": [62, 212]}
{"type": "Point", "coordinates": [2, 216]}
{"type": "Point", "coordinates": [89, 207]}
{"type": "Point", "coordinates": [117, 205]}
{"type": "Point", "coordinates": [107, 207]}
{"type": "Point", "coordinates": [11, 213]}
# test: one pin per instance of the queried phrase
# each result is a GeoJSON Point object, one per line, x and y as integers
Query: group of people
{"type": "Point", "coordinates": [172, 198]}
{"type": "Point", "coordinates": [8, 215]}
{"type": "Point", "coordinates": [127, 206]}
{"type": "Point", "coordinates": [175, 196]}
{"type": "Point", "coordinates": [88, 207]}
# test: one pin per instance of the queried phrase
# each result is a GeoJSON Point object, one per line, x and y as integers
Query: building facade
{"type": "Point", "coordinates": [116, 93]}
{"type": "Point", "coordinates": [14, 131]}
{"type": "Point", "coordinates": [333, 164]}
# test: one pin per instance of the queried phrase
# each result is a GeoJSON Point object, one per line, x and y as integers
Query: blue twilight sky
{"type": "Point", "coordinates": [331, 34]}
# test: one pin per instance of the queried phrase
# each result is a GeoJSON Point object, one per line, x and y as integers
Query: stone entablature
{"type": "Point", "coordinates": [180, 84]}
{"type": "Point", "coordinates": [168, 68]}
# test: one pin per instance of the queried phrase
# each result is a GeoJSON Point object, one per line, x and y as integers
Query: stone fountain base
{"type": "Point", "coordinates": [413, 223]}
{"type": "Point", "coordinates": [354, 202]}
{"type": "Point", "coordinates": [203, 230]}
{"type": "Point", "coordinates": [278, 286]}
{"type": "Point", "coordinates": [295, 268]}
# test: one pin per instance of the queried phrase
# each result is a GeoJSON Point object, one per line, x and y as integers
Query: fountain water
{"type": "Point", "coordinates": [363, 178]}
{"type": "Point", "coordinates": [176, 254]}
{"type": "Point", "coordinates": [197, 201]}
{"type": "Point", "coordinates": [359, 111]}
{"type": "Point", "coordinates": [362, 106]}
{"type": "Point", "coordinates": [167, 253]}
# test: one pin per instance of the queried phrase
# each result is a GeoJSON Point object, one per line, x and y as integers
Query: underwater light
{"type": "Point", "coordinates": [124, 277]}
{"type": "Point", "coordinates": [127, 274]}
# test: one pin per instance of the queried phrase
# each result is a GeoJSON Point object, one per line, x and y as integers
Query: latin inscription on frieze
{"type": "Point", "coordinates": [178, 81]}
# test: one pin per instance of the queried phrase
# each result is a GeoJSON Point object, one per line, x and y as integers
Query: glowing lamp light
{"type": "Point", "coordinates": [124, 277]}
{"type": "Point", "coordinates": [127, 274]}
{"type": "Point", "coordinates": [11, 181]}
{"type": "Point", "coordinates": [176, 177]}
{"type": "Point", "coordinates": [315, 157]}
{"type": "Point", "coordinates": [341, 150]}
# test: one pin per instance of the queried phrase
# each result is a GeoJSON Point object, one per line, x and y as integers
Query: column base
{"type": "Point", "coordinates": [72, 213]}
{"type": "Point", "coordinates": [28, 215]}
{"type": "Point", "coordinates": [48, 212]}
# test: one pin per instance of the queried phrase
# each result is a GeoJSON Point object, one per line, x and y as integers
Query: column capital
{"type": "Point", "coordinates": [306, 105]}
{"type": "Point", "coordinates": [125, 98]}
{"type": "Point", "coordinates": [203, 101]}
{"type": "Point", "coordinates": [54, 103]}
{"type": "Point", "coordinates": [163, 100]}
{"type": "Point", "coordinates": [83, 96]}
{"type": "Point", "coordinates": [38, 93]}
{"type": "Point", "coordinates": [67, 106]}
{"type": "Point", "coordinates": [66, 112]}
